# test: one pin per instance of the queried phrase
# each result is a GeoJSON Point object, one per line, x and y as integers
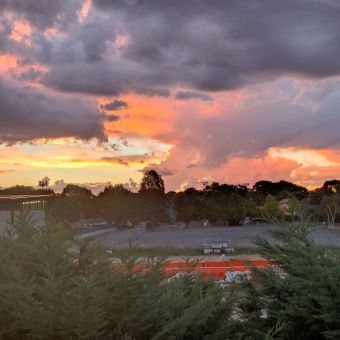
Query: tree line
{"type": "Point", "coordinates": [218, 203]}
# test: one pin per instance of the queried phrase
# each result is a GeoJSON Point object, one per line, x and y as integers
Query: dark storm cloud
{"type": "Point", "coordinates": [185, 95]}
{"type": "Point", "coordinates": [43, 13]}
{"type": "Point", "coordinates": [220, 45]}
{"type": "Point", "coordinates": [106, 78]}
{"type": "Point", "coordinates": [94, 34]}
{"type": "Point", "coordinates": [27, 113]}
{"type": "Point", "coordinates": [151, 46]}
{"type": "Point", "coordinates": [197, 44]}
{"type": "Point", "coordinates": [115, 105]}
{"type": "Point", "coordinates": [111, 117]}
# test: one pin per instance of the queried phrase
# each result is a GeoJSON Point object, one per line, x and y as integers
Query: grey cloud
{"type": "Point", "coordinates": [115, 147]}
{"type": "Point", "coordinates": [221, 45]}
{"type": "Point", "coordinates": [313, 95]}
{"type": "Point", "coordinates": [163, 171]}
{"type": "Point", "coordinates": [122, 162]}
{"type": "Point", "coordinates": [201, 45]}
{"type": "Point", "coordinates": [107, 78]}
{"type": "Point", "coordinates": [252, 130]}
{"type": "Point", "coordinates": [95, 34]}
{"type": "Point", "coordinates": [166, 172]}
{"type": "Point", "coordinates": [5, 32]}
{"type": "Point", "coordinates": [85, 42]}
{"type": "Point", "coordinates": [151, 92]}
{"type": "Point", "coordinates": [112, 118]}
{"type": "Point", "coordinates": [185, 95]}
{"type": "Point", "coordinates": [115, 105]}
{"type": "Point", "coordinates": [29, 75]}
{"type": "Point", "coordinates": [195, 44]}
{"type": "Point", "coordinates": [124, 141]}
{"type": "Point", "coordinates": [131, 185]}
{"type": "Point", "coordinates": [43, 14]}
{"type": "Point", "coordinates": [27, 113]}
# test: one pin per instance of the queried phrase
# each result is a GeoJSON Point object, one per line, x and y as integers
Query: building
{"type": "Point", "coordinates": [11, 206]}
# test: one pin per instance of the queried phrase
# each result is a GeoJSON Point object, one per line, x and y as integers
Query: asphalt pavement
{"type": "Point", "coordinates": [241, 236]}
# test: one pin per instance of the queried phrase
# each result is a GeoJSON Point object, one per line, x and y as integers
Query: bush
{"type": "Point", "coordinates": [50, 291]}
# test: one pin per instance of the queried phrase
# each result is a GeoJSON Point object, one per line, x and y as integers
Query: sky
{"type": "Point", "coordinates": [97, 91]}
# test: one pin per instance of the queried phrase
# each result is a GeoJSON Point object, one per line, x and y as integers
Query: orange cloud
{"type": "Point", "coordinates": [8, 62]}
{"type": "Point", "coordinates": [5, 172]}
{"type": "Point", "coordinates": [235, 170]}
{"type": "Point", "coordinates": [148, 117]}
{"type": "Point", "coordinates": [21, 32]}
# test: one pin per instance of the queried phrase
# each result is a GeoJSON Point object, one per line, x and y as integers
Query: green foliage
{"type": "Point", "coordinates": [117, 204]}
{"type": "Point", "coordinates": [330, 205]}
{"type": "Point", "coordinates": [224, 203]}
{"type": "Point", "coordinates": [74, 203]}
{"type": "Point", "coordinates": [270, 210]}
{"type": "Point", "coordinates": [66, 209]}
{"type": "Point", "coordinates": [52, 287]}
{"type": "Point", "coordinates": [42, 294]}
{"type": "Point", "coordinates": [229, 208]}
{"type": "Point", "coordinates": [304, 304]}
{"type": "Point", "coordinates": [265, 188]}
{"type": "Point", "coordinates": [189, 205]}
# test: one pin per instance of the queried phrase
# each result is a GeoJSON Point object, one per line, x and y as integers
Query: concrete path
{"type": "Point", "coordinates": [95, 233]}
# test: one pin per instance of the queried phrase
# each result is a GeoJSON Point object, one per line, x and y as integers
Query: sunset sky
{"type": "Point", "coordinates": [201, 90]}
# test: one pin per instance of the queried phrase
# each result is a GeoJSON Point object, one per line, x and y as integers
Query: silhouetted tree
{"type": "Point", "coordinates": [152, 205]}
{"type": "Point", "coordinates": [229, 208]}
{"type": "Point", "coordinates": [332, 186]}
{"type": "Point", "coordinates": [82, 195]}
{"type": "Point", "coordinates": [117, 204]}
{"type": "Point", "coordinates": [152, 182]}
{"type": "Point", "coordinates": [24, 190]}
{"type": "Point", "coordinates": [265, 188]}
{"type": "Point", "coordinates": [72, 190]}
{"type": "Point", "coordinates": [190, 205]}
{"type": "Point", "coordinates": [65, 209]}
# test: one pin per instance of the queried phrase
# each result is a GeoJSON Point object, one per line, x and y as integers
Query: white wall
{"type": "Point", "coordinates": [5, 217]}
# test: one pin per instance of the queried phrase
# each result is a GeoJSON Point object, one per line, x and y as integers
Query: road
{"type": "Point", "coordinates": [239, 236]}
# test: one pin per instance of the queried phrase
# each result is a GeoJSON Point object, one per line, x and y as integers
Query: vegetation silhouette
{"type": "Point", "coordinates": [220, 204]}
{"type": "Point", "coordinates": [53, 286]}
